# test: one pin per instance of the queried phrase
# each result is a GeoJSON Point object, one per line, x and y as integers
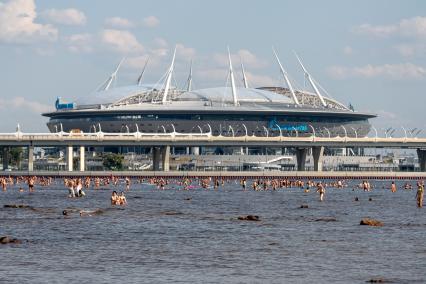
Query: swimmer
{"type": "Point", "coordinates": [321, 191]}
{"type": "Point", "coordinates": [122, 199]}
{"type": "Point", "coordinates": [420, 193]}
{"type": "Point", "coordinates": [31, 184]}
{"type": "Point", "coordinates": [127, 184]}
{"type": "Point", "coordinates": [71, 185]}
{"type": "Point", "coordinates": [393, 187]}
{"type": "Point", "coordinates": [114, 198]}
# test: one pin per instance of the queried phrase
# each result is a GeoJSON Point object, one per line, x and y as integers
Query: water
{"type": "Point", "coordinates": [161, 237]}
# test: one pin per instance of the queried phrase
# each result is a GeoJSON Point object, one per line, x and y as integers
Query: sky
{"type": "Point", "coordinates": [371, 54]}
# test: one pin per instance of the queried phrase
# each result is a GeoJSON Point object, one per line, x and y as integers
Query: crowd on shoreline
{"type": "Point", "coordinates": [76, 186]}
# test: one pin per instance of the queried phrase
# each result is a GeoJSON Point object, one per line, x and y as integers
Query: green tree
{"type": "Point", "coordinates": [16, 155]}
{"type": "Point", "coordinates": [112, 161]}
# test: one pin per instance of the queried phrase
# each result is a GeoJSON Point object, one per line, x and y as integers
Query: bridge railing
{"type": "Point", "coordinates": [175, 136]}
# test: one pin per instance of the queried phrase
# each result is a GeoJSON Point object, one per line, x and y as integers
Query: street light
{"type": "Point", "coordinates": [375, 130]}
{"type": "Point", "coordinates": [405, 131]}
{"type": "Point", "coordinates": [279, 128]}
{"type": "Point", "coordinates": [297, 132]}
{"type": "Point", "coordinates": [266, 130]}
{"type": "Point", "coordinates": [356, 134]}
{"type": "Point", "coordinates": [329, 134]}
{"type": "Point", "coordinates": [344, 129]}
{"type": "Point", "coordinates": [245, 129]}
{"type": "Point", "coordinates": [313, 129]}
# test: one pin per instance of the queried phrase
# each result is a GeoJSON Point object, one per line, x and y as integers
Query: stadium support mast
{"type": "Point", "coordinates": [244, 75]}
{"type": "Point", "coordinates": [113, 76]}
{"type": "Point", "coordinates": [169, 78]}
{"type": "Point", "coordinates": [189, 81]}
{"type": "Point", "coordinates": [287, 80]}
{"type": "Point", "coordinates": [143, 71]}
{"type": "Point", "coordinates": [308, 76]}
{"type": "Point", "coordinates": [231, 74]}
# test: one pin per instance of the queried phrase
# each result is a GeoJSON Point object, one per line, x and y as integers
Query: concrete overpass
{"type": "Point", "coordinates": [161, 143]}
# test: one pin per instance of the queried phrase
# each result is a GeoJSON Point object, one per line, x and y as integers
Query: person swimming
{"type": "Point", "coordinates": [321, 190]}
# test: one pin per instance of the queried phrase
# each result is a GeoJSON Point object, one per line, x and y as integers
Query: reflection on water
{"type": "Point", "coordinates": [195, 236]}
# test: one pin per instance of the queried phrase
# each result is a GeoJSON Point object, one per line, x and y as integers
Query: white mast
{"type": "Point", "coordinates": [244, 75]}
{"type": "Point", "coordinates": [308, 76]}
{"type": "Point", "coordinates": [169, 78]}
{"type": "Point", "coordinates": [231, 74]}
{"type": "Point", "coordinates": [189, 81]}
{"type": "Point", "coordinates": [143, 71]}
{"type": "Point", "coordinates": [287, 80]}
{"type": "Point", "coordinates": [113, 76]}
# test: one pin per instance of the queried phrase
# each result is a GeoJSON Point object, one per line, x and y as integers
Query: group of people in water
{"type": "Point", "coordinates": [77, 185]}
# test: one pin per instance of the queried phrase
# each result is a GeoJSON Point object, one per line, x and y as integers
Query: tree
{"type": "Point", "coordinates": [113, 161]}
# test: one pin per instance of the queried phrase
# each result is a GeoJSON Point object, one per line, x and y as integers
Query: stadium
{"type": "Point", "coordinates": [228, 110]}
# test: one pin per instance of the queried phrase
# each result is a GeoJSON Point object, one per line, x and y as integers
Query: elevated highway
{"type": "Point", "coordinates": [161, 143]}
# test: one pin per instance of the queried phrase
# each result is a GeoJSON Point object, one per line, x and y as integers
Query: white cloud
{"type": "Point", "coordinates": [118, 22]}
{"type": "Point", "coordinates": [17, 23]}
{"type": "Point", "coordinates": [79, 43]}
{"type": "Point", "coordinates": [184, 52]}
{"type": "Point", "coordinates": [121, 41]}
{"type": "Point", "coordinates": [72, 17]}
{"type": "Point", "coordinates": [151, 21]}
{"type": "Point", "coordinates": [160, 42]}
{"type": "Point", "coordinates": [394, 71]}
{"type": "Point", "coordinates": [411, 49]}
{"type": "Point", "coordinates": [347, 50]}
{"type": "Point", "coordinates": [23, 103]}
{"type": "Point", "coordinates": [218, 76]}
{"type": "Point", "coordinates": [260, 80]}
{"type": "Point", "coordinates": [413, 27]}
{"type": "Point", "coordinates": [250, 60]}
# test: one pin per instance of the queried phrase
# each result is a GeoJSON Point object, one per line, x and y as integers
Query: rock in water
{"type": "Point", "coordinates": [249, 218]}
{"type": "Point", "coordinates": [371, 222]}
{"type": "Point", "coordinates": [16, 206]}
{"type": "Point", "coordinates": [8, 240]}
{"type": "Point", "coordinates": [304, 206]}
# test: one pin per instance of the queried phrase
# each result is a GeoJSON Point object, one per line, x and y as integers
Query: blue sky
{"type": "Point", "coordinates": [369, 53]}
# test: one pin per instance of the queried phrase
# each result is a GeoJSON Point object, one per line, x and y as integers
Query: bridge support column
{"type": "Point", "coordinates": [5, 157]}
{"type": "Point", "coordinates": [421, 154]}
{"type": "Point", "coordinates": [70, 159]}
{"type": "Point", "coordinates": [317, 153]}
{"type": "Point", "coordinates": [82, 159]}
{"type": "Point", "coordinates": [30, 158]}
{"type": "Point", "coordinates": [156, 158]}
{"type": "Point", "coordinates": [195, 151]}
{"type": "Point", "coordinates": [165, 155]}
{"type": "Point", "coordinates": [301, 154]}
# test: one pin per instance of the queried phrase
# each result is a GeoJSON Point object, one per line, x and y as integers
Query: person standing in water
{"type": "Point", "coordinates": [127, 183]}
{"type": "Point", "coordinates": [420, 193]}
{"type": "Point", "coordinates": [393, 187]}
{"type": "Point", "coordinates": [321, 190]}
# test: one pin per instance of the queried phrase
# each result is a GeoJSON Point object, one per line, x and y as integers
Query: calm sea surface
{"type": "Point", "coordinates": [163, 237]}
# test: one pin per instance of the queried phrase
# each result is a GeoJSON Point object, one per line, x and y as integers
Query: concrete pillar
{"type": "Point", "coordinates": [70, 159]}
{"type": "Point", "coordinates": [317, 154]}
{"type": "Point", "coordinates": [82, 159]}
{"type": "Point", "coordinates": [301, 158]}
{"type": "Point", "coordinates": [165, 155]}
{"type": "Point", "coordinates": [5, 157]}
{"type": "Point", "coordinates": [156, 158]}
{"type": "Point", "coordinates": [421, 154]}
{"type": "Point", "coordinates": [195, 151]}
{"type": "Point", "coordinates": [30, 158]}
{"type": "Point", "coordinates": [187, 151]}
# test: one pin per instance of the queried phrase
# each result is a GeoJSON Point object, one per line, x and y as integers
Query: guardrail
{"type": "Point", "coordinates": [201, 137]}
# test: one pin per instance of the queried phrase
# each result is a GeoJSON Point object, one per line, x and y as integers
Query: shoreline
{"type": "Point", "coordinates": [227, 174]}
